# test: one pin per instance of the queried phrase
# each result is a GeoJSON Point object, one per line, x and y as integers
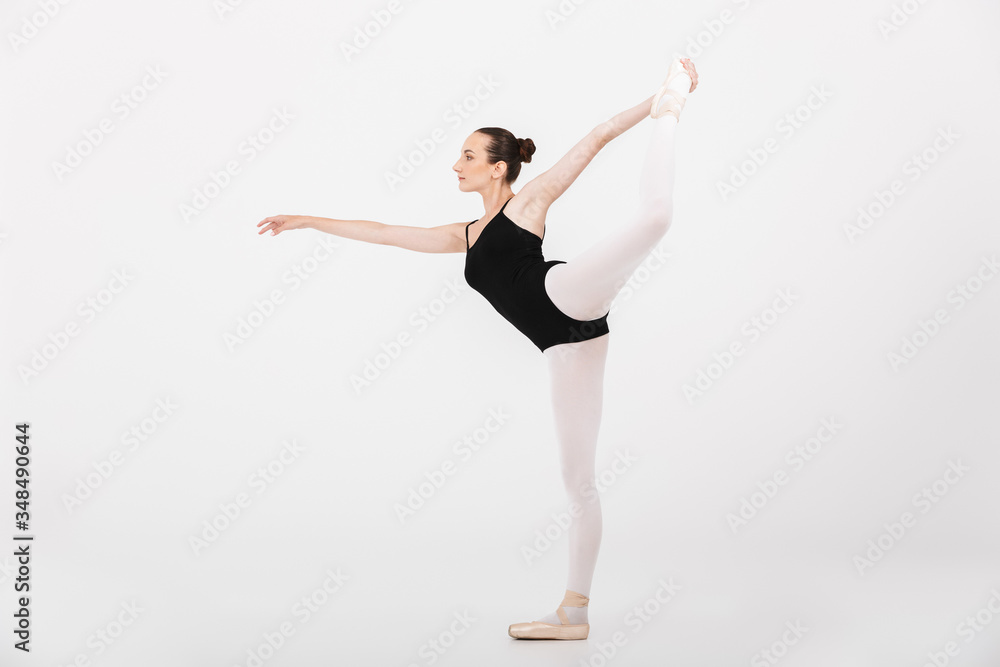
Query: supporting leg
{"type": "Point", "coordinates": [577, 389]}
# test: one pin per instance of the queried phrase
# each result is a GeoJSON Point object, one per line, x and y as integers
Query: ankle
{"type": "Point", "coordinates": [576, 615]}
{"type": "Point", "coordinates": [575, 606]}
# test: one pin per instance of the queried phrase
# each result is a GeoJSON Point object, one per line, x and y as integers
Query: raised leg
{"type": "Point", "coordinates": [585, 286]}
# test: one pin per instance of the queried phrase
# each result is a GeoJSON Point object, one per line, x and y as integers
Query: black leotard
{"type": "Point", "coordinates": [506, 266]}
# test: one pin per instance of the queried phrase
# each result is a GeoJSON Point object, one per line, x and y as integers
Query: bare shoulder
{"type": "Point", "coordinates": [457, 231]}
{"type": "Point", "coordinates": [528, 208]}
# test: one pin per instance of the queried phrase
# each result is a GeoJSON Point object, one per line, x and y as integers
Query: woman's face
{"type": "Point", "coordinates": [473, 168]}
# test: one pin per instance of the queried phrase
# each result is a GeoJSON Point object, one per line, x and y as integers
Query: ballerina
{"type": "Point", "coordinates": [560, 306]}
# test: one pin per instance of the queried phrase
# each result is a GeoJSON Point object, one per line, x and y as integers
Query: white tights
{"type": "Point", "coordinates": [584, 288]}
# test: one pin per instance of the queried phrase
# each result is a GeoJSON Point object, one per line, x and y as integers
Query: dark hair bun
{"type": "Point", "coordinates": [527, 149]}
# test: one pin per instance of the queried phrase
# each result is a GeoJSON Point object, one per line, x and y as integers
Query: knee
{"type": "Point", "coordinates": [585, 497]}
{"type": "Point", "coordinates": [657, 214]}
{"type": "Point", "coordinates": [579, 484]}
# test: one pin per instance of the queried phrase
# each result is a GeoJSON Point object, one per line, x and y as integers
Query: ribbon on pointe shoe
{"type": "Point", "coordinates": [571, 599]}
{"type": "Point", "coordinates": [671, 106]}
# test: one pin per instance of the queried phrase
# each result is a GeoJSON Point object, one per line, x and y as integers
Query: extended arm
{"type": "Point", "coordinates": [541, 191]}
{"type": "Point", "coordinates": [444, 238]}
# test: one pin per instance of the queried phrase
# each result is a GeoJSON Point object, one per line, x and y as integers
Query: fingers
{"type": "Point", "coordinates": [272, 225]}
{"type": "Point", "coordinates": [692, 73]}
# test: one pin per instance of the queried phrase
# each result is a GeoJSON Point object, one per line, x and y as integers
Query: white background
{"type": "Point", "coordinates": [103, 542]}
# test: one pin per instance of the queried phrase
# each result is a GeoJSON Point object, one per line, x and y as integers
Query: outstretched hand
{"type": "Point", "coordinates": [281, 223]}
{"type": "Point", "coordinates": [692, 73]}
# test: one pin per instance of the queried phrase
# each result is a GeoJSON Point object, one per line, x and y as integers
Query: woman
{"type": "Point", "coordinates": [561, 307]}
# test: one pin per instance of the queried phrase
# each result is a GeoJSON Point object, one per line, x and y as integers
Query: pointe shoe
{"type": "Point", "coordinates": [670, 106]}
{"type": "Point", "coordinates": [539, 630]}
